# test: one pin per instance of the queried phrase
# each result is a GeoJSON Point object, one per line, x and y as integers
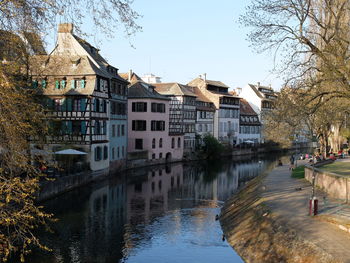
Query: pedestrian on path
{"type": "Point", "coordinates": [291, 159]}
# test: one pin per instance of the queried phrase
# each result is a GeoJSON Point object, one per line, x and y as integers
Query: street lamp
{"type": "Point", "coordinates": [313, 203]}
{"type": "Point", "coordinates": [296, 154]}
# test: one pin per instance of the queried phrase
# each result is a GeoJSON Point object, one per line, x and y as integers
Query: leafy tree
{"type": "Point", "coordinates": [310, 41]}
{"type": "Point", "coordinates": [22, 25]}
{"type": "Point", "coordinates": [212, 148]}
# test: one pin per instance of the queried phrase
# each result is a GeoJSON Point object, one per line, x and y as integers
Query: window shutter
{"type": "Point", "coordinates": [64, 105]}
{"type": "Point", "coordinates": [82, 83]}
{"type": "Point", "coordinates": [35, 84]}
{"type": "Point", "coordinates": [95, 105]}
{"type": "Point", "coordinates": [69, 104]}
{"type": "Point", "coordinates": [82, 104]}
{"type": "Point", "coordinates": [64, 127]}
{"type": "Point", "coordinates": [83, 127]}
{"type": "Point", "coordinates": [63, 83]}
{"type": "Point", "coordinates": [72, 84]}
{"type": "Point", "coordinates": [43, 84]}
{"type": "Point", "coordinates": [57, 84]}
{"type": "Point", "coordinates": [104, 106]}
{"type": "Point", "coordinates": [70, 127]}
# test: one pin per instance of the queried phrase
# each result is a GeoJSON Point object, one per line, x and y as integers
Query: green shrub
{"type": "Point", "coordinates": [299, 172]}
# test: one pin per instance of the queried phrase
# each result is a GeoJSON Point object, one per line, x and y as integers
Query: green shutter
{"type": "Point", "coordinates": [82, 83]}
{"type": "Point", "coordinates": [64, 105]}
{"type": "Point", "coordinates": [57, 84]}
{"type": "Point", "coordinates": [69, 127]}
{"type": "Point", "coordinates": [82, 104]}
{"type": "Point", "coordinates": [63, 127]}
{"type": "Point", "coordinates": [83, 127]}
{"type": "Point", "coordinates": [72, 84]}
{"type": "Point", "coordinates": [35, 84]}
{"type": "Point", "coordinates": [95, 105]}
{"type": "Point", "coordinates": [69, 104]}
{"type": "Point", "coordinates": [63, 84]}
{"type": "Point", "coordinates": [43, 84]}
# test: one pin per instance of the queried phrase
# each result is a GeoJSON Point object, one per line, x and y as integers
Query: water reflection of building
{"type": "Point", "coordinates": [147, 196]}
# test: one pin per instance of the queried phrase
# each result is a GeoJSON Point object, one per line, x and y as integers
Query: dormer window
{"type": "Point", "coordinates": [75, 61]}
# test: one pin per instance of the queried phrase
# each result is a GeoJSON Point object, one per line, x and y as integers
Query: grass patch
{"type": "Point", "coordinates": [299, 172]}
{"type": "Point", "coordinates": [341, 168]}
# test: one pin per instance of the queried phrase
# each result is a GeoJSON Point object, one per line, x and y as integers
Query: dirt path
{"type": "Point", "coordinates": [268, 222]}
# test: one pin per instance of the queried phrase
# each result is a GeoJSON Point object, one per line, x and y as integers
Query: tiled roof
{"type": "Point", "coordinates": [174, 88]}
{"type": "Point", "coordinates": [216, 83]}
{"type": "Point", "coordinates": [260, 93]}
{"type": "Point", "coordinates": [93, 52]}
{"type": "Point", "coordinates": [199, 81]}
{"type": "Point", "coordinates": [246, 109]}
{"type": "Point", "coordinates": [144, 90]}
{"type": "Point", "coordinates": [134, 77]}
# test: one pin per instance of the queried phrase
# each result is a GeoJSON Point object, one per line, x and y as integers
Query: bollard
{"type": "Point", "coordinates": [313, 206]}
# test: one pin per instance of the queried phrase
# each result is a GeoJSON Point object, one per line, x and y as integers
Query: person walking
{"type": "Point", "coordinates": [291, 159]}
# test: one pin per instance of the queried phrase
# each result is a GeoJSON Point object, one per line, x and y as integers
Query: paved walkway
{"type": "Point", "coordinates": [288, 198]}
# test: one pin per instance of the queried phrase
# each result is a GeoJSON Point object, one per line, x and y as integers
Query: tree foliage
{"type": "Point", "coordinates": [23, 24]}
{"type": "Point", "coordinates": [310, 41]}
{"type": "Point", "coordinates": [212, 148]}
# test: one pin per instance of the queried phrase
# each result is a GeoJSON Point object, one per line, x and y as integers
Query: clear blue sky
{"type": "Point", "coordinates": [185, 38]}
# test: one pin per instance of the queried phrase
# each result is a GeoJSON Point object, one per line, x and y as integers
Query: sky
{"type": "Point", "coordinates": [183, 39]}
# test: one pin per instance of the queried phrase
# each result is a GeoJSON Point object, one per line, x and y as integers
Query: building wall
{"type": "Point", "coordinates": [118, 133]}
{"type": "Point", "coordinates": [147, 136]}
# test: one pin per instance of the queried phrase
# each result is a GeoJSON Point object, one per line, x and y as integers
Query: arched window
{"type": "Point", "coordinates": [178, 142]}
{"type": "Point", "coordinates": [173, 143]}
{"type": "Point", "coordinates": [160, 143]}
{"type": "Point", "coordinates": [153, 143]}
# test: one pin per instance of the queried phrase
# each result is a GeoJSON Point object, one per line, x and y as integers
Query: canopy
{"type": "Point", "coordinates": [70, 152]}
{"type": "Point", "coordinates": [249, 141]}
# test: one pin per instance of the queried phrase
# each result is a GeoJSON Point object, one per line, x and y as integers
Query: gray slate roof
{"type": "Point", "coordinates": [144, 91]}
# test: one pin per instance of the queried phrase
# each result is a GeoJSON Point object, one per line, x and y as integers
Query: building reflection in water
{"type": "Point", "coordinates": [109, 221]}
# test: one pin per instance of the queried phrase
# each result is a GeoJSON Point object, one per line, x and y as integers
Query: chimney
{"type": "Point", "coordinates": [205, 76]}
{"type": "Point", "coordinates": [238, 90]}
{"type": "Point", "coordinates": [65, 28]}
{"type": "Point", "coordinates": [258, 85]}
{"type": "Point", "coordinates": [129, 75]}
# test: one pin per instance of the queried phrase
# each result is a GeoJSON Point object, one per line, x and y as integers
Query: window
{"type": "Point", "coordinates": [157, 125]}
{"type": "Point", "coordinates": [178, 142]}
{"type": "Point", "coordinates": [158, 107]}
{"type": "Point", "coordinates": [118, 153]}
{"type": "Point", "coordinates": [123, 151]}
{"type": "Point", "coordinates": [139, 106]}
{"type": "Point", "coordinates": [160, 156]}
{"type": "Point", "coordinates": [153, 143]}
{"type": "Point", "coordinates": [138, 125]}
{"type": "Point", "coordinates": [160, 143]}
{"type": "Point", "coordinates": [139, 144]}
{"type": "Point", "coordinates": [118, 130]}
{"type": "Point", "coordinates": [172, 143]}
{"type": "Point", "coordinates": [105, 152]}
{"type": "Point", "coordinates": [113, 153]}
{"type": "Point", "coordinates": [113, 130]}
{"type": "Point", "coordinates": [123, 129]}
{"type": "Point", "coordinates": [153, 157]}
{"type": "Point", "coordinates": [98, 153]}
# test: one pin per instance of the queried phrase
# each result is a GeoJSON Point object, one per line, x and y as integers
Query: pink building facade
{"type": "Point", "coordinates": [148, 127]}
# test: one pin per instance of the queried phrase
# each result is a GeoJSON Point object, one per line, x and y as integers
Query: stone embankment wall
{"type": "Point", "coordinates": [258, 235]}
{"type": "Point", "coordinates": [335, 185]}
{"type": "Point", "coordinates": [59, 185]}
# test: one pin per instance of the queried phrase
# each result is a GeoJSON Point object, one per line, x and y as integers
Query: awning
{"type": "Point", "coordinates": [70, 152]}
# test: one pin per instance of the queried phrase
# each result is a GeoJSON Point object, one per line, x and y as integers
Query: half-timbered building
{"type": "Point", "coordinates": [80, 89]}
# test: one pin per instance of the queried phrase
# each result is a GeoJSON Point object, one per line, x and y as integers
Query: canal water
{"type": "Point", "coordinates": [158, 214]}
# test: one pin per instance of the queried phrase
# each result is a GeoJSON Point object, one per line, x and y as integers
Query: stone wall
{"type": "Point", "coordinates": [337, 186]}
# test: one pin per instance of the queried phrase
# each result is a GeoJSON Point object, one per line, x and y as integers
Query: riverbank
{"type": "Point", "coordinates": [268, 221]}
{"type": "Point", "coordinates": [63, 184]}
